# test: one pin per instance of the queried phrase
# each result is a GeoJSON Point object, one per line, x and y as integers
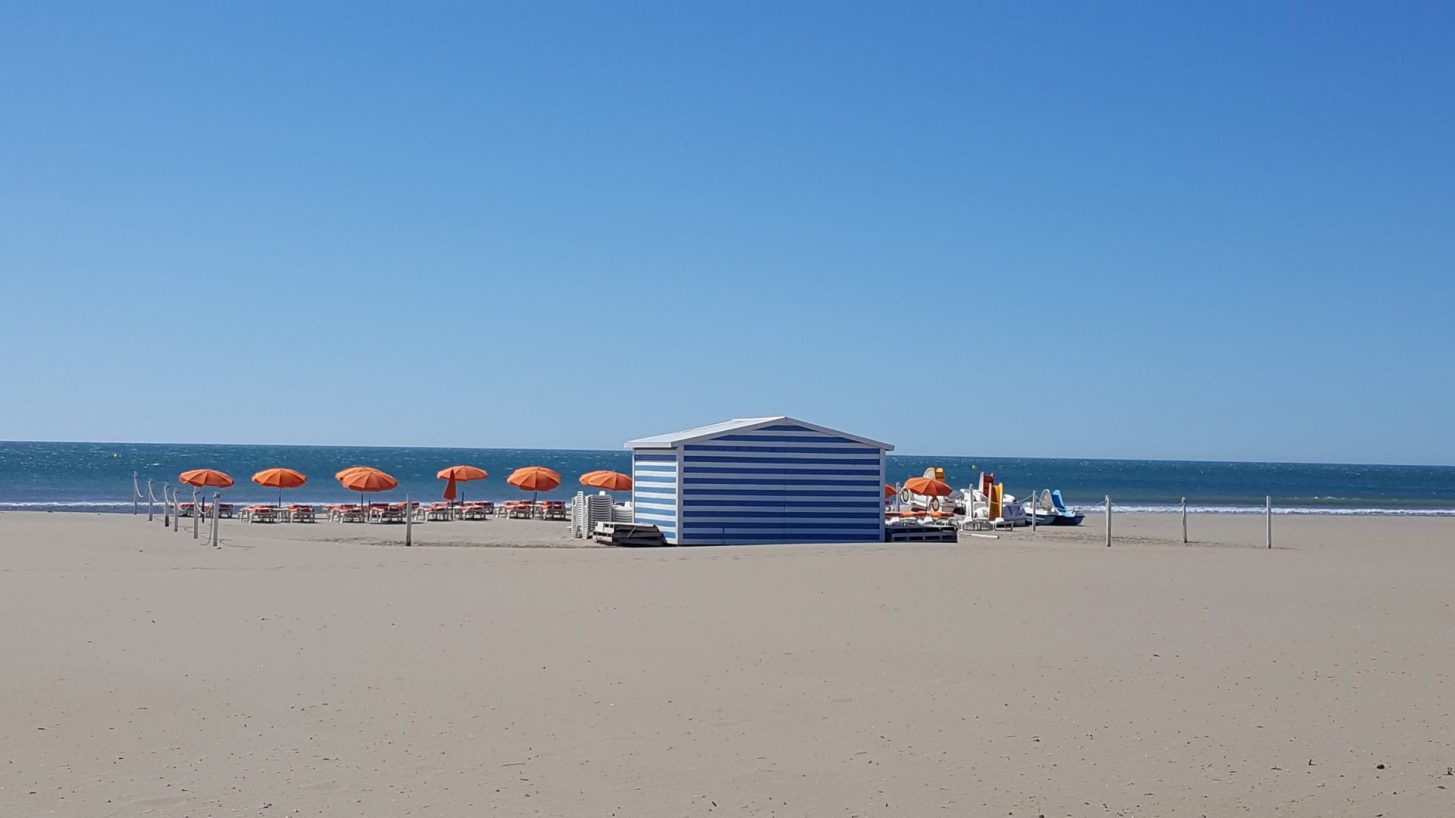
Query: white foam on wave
{"type": "Point", "coordinates": [1090, 511]}
{"type": "Point", "coordinates": [54, 506]}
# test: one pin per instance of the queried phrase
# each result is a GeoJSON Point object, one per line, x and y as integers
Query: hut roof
{"type": "Point", "coordinates": [712, 430]}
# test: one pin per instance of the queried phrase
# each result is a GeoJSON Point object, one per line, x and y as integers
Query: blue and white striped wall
{"type": "Point", "coordinates": [777, 482]}
{"type": "Point", "coordinates": [654, 490]}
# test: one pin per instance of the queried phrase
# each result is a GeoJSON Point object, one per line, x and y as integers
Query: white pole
{"type": "Point", "coordinates": [1184, 519]}
{"type": "Point", "coordinates": [1108, 521]}
{"type": "Point", "coordinates": [166, 509]}
{"type": "Point", "coordinates": [135, 493]}
{"type": "Point", "coordinates": [176, 518]}
{"type": "Point", "coordinates": [1033, 511]}
{"type": "Point", "coordinates": [215, 497]}
{"type": "Point", "coordinates": [1268, 514]}
{"type": "Point", "coordinates": [408, 523]}
{"type": "Point", "coordinates": [149, 501]}
{"type": "Point", "coordinates": [196, 514]}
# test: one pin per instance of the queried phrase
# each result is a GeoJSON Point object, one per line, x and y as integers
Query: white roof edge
{"type": "Point", "coordinates": [674, 439]}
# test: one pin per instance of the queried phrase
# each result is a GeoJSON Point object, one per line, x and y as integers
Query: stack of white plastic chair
{"type": "Point", "coordinates": [623, 514]}
{"type": "Point", "coordinates": [599, 508]}
{"type": "Point", "coordinates": [589, 509]}
{"type": "Point", "coordinates": [580, 516]}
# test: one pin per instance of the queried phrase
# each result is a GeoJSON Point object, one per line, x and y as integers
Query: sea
{"type": "Point", "coordinates": [99, 477]}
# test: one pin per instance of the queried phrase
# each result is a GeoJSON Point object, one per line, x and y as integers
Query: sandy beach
{"type": "Point", "coordinates": [323, 670]}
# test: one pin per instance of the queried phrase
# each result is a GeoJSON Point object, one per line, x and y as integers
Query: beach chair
{"type": "Point", "coordinates": [301, 514]}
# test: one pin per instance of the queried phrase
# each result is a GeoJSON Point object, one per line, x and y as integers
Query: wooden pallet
{"type": "Point", "coordinates": [919, 533]}
{"type": "Point", "coordinates": [628, 534]}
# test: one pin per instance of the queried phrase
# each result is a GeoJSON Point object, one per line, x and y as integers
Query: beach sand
{"type": "Point", "coordinates": [289, 674]}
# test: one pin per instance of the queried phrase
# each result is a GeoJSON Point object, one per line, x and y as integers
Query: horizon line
{"type": "Point", "coordinates": [626, 449]}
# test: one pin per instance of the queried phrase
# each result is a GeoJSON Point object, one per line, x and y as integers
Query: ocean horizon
{"type": "Point", "coordinates": [46, 476]}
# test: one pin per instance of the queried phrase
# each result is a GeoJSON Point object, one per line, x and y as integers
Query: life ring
{"type": "Point", "coordinates": [905, 496]}
{"type": "Point", "coordinates": [934, 504]}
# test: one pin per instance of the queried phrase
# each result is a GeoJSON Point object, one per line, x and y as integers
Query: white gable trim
{"type": "Point", "coordinates": [701, 433]}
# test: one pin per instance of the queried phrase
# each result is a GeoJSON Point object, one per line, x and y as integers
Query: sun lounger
{"type": "Point", "coordinates": [940, 519]}
{"type": "Point", "coordinates": [477, 511]}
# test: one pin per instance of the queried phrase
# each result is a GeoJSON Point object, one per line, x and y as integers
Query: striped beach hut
{"type": "Point", "coordinates": [760, 480]}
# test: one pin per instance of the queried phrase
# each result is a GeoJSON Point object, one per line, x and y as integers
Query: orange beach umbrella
{"type": "Point", "coordinates": [462, 473]}
{"type": "Point", "coordinates": [928, 487]}
{"type": "Point", "coordinates": [534, 478]}
{"type": "Point", "coordinates": [280, 479]}
{"type": "Point", "coordinates": [206, 477]}
{"type": "Point", "coordinates": [605, 479]}
{"type": "Point", "coordinates": [459, 474]}
{"type": "Point", "coordinates": [366, 478]}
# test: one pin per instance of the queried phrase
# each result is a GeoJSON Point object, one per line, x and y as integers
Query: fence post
{"type": "Point", "coordinates": [1108, 521]}
{"type": "Point", "coordinates": [1268, 514]}
{"type": "Point", "coordinates": [1184, 520]}
{"type": "Point", "coordinates": [135, 494]}
{"type": "Point", "coordinates": [176, 518]}
{"type": "Point", "coordinates": [216, 496]}
{"type": "Point", "coordinates": [149, 501]}
{"type": "Point", "coordinates": [408, 523]}
{"type": "Point", "coordinates": [168, 512]}
{"type": "Point", "coordinates": [196, 514]}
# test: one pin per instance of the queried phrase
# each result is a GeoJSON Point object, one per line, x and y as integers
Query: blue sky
{"type": "Point", "coordinates": [1162, 230]}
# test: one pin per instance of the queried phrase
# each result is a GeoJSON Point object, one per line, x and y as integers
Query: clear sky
{"type": "Point", "coordinates": [1163, 230]}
